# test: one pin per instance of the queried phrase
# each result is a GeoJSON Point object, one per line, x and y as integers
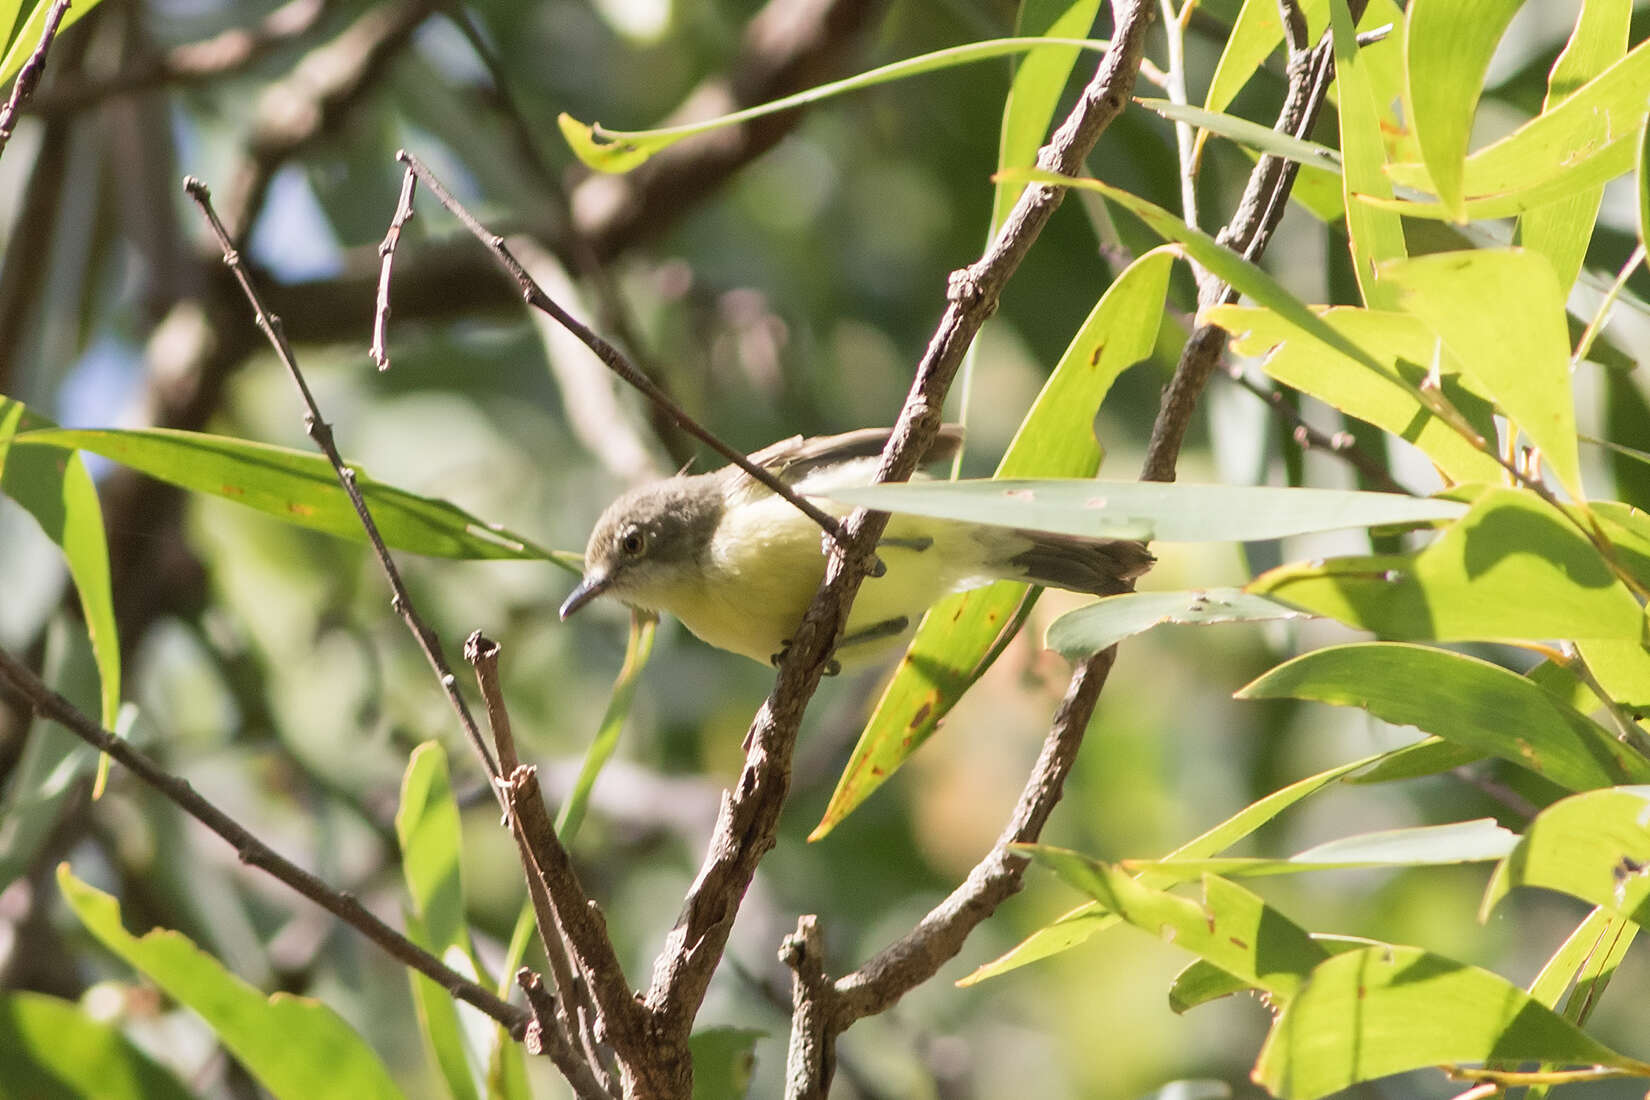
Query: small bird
{"type": "Point", "coordinates": [738, 565]}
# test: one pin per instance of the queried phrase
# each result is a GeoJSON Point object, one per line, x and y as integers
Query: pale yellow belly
{"type": "Point", "coordinates": [769, 562]}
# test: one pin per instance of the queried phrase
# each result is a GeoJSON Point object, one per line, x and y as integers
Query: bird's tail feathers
{"type": "Point", "coordinates": [1104, 567]}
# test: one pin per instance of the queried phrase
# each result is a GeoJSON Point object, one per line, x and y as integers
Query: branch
{"type": "Point", "coordinates": [252, 851]}
{"type": "Point", "coordinates": [31, 72]}
{"type": "Point", "coordinates": [745, 828]}
{"type": "Point", "coordinates": [321, 433]}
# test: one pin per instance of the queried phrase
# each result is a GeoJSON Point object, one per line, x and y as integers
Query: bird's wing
{"type": "Point", "coordinates": [796, 459]}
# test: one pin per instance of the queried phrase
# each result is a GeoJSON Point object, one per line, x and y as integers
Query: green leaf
{"type": "Point", "coordinates": [1446, 53]}
{"type": "Point", "coordinates": [49, 1047]}
{"type": "Point", "coordinates": [1422, 846]}
{"type": "Point", "coordinates": [1608, 111]}
{"type": "Point", "coordinates": [427, 827]}
{"type": "Point", "coordinates": [1600, 929]}
{"type": "Point", "coordinates": [1464, 700]}
{"type": "Point", "coordinates": [1233, 928]}
{"type": "Point", "coordinates": [724, 1059]}
{"type": "Point", "coordinates": [1086, 631]}
{"type": "Point", "coordinates": [637, 652]}
{"type": "Point", "coordinates": [1262, 139]}
{"type": "Point", "coordinates": [1402, 347]}
{"type": "Point", "coordinates": [1561, 230]}
{"type": "Point", "coordinates": [1514, 568]}
{"type": "Point", "coordinates": [1376, 235]}
{"type": "Point", "coordinates": [1256, 32]}
{"type": "Point", "coordinates": [1501, 313]}
{"type": "Point", "coordinates": [28, 35]}
{"type": "Point", "coordinates": [298, 487]}
{"type": "Point", "coordinates": [1595, 846]}
{"type": "Point", "coordinates": [1039, 79]}
{"type": "Point", "coordinates": [1160, 511]}
{"type": "Point", "coordinates": [295, 1047]}
{"type": "Point", "coordinates": [624, 150]}
{"type": "Point", "coordinates": [1084, 921]}
{"type": "Point", "coordinates": [1384, 1010]}
{"type": "Point", "coordinates": [958, 636]}
{"type": "Point", "coordinates": [58, 492]}
{"type": "Point", "coordinates": [1644, 183]}
{"type": "Point", "coordinates": [1428, 756]}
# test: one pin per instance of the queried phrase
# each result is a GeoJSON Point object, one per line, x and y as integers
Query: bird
{"type": "Point", "coordinates": [738, 565]}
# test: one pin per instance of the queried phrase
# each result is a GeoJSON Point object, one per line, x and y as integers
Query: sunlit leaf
{"type": "Point", "coordinates": [27, 38]}
{"type": "Point", "coordinates": [958, 635]}
{"type": "Point", "coordinates": [1513, 569]}
{"type": "Point", "coordinates": [636, 654]}
{"type": "Point", "coordinates": [1262, 139]}
{"type": "Point", "coordinates": [1422, 846]}
{"type": "Point", "coordinates": [299, 487]}
{"type": "Point", "coordinates": [1446, 54]}
{"type": "Point", "coordinates": [1256, 32]}
{"type": "Point", "coordinates": [1383, 1010]}
{"type": "Point", "coordinates": [1376, 236]}
{"type": "Point", "coordinates": [1403, 348]}
{"type": "Point", "coordinates": [623, 150]}
{"type": "Point", "coordinates": [262, 1032]}
{"type": "Point", "coordinates": [1594, 845]}
{"type": "Point", "coordinates": [1465, 700]}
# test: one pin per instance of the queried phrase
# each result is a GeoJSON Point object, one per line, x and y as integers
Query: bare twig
{"type": "Point", "coordinates": [572, 1000]}
{"type": "Point", "coordinates": [380, 351]}
{"type": "Point", "coordinates": [251, 850]}
{"type": "Point", "coordinates": [616, 361]}
{"type": "Point", "coordinates": [190, 63]}
{"type": "Point", "coordinates": [1341, 444]}
{"type": "Point", "coordinates": [321, 432]}
{"type": "Point", "coordinates": [31, 72]}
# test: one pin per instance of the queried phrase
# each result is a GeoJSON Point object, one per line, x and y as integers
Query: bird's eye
{"type": "Point", "coordinates": [633, 542]}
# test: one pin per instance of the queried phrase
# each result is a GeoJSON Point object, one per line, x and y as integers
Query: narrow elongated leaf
{"type": "Point", "coordinates": [1592, 942]}
{"type": "Point", "coordinates": [1608, 110]}
{"type": "Point", "coordinates": [1202, 982]}
{"type": "Point", "coordinates": [28, 35]}
{"type": "Point", "coordinates": [1464, 700]}
{"type": "Point", "coordinates": [1404, 349]}
{"type": "Point", "coordinates": [1233, 929]}
{"type": "Point", "coordinates": [624, 150]}
{"type": "Point", "coordinates": [298, 487]}
{"type": "Point", "coordinates": [1423, 846]}
{"type": "Point", "coordinates": [724, 1059]}
{"type": "Point", "coordinates": [57, 491]}
{"type": "Point", "coordinates": [602, 746]}
{"type": "Point", "coordinates": [1594, 845]}
{"type": "Point", "coordinates": [958, 636]}
{"type": "Point", "coordinates": [49, 1047]}
{"type": "Point", "coordinates": [1561, 230]}
{"type": "Point", "coordinates": [1513, 569]}
{"type": "Point", "coordinates": [262, 1032]}
{"type": "Point", "coordinates": [1039, 79]}
{"type": "Point", "coordinates": [1383, 1010]}
{"type": "Point", "coordinates": [1088, 630]}
{"type": "Point", "coordinates": [1262, 139]}
{"type": "Point", "coordinates": [1084, 921]}
{"type": "Point", "coordinates": [1446, 54]}
{"type": "Point", "coordinates": [1256, 32]}
{"type": "Point", "coordinates": [1163, 512]}
{"type": "Point", "coordinates": [1376, 236]}
{"type": "Point", "coordinates": [1501, 312]}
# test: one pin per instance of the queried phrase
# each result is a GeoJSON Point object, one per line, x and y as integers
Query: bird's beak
{"type": "Point", "coordinates": [593, 585]}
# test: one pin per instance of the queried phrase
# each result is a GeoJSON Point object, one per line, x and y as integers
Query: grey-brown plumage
{"type": "Point", "coordinates": [738, 565]}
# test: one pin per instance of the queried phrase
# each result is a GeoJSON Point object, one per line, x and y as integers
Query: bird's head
{"type": "Point", "coordinates": [650, 543]}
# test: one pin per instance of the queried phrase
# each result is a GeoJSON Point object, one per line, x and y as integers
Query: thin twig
{"type": "Point", "coordinates": [252, 851]}
{"type": "Point", "coordinates": [380, 350]}
{"type": "Point", "coordinates": [483, 653]}
{"type": "Point", "coordinates": [812, 1001]}
{"type": "Point", "coordinates": [321, 432]}
{"type": "Point", "coordinates": [31, 72]}
{"type": "Point", "coordinates": [1341, 444]}
{"type": "Point", "coordinates": [616, 360]}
